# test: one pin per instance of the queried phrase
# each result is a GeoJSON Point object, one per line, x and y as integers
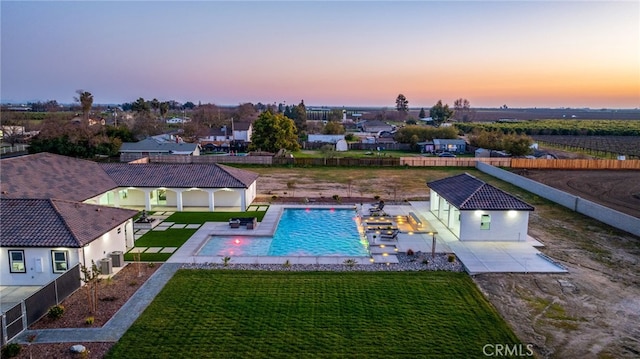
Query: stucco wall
{"type": "Point", "coordinates": [505, 226]}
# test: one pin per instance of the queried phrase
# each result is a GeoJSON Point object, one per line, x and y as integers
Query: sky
{"type": "Point", "coordinates": [337, 53]}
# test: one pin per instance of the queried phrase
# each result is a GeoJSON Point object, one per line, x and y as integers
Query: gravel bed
{"type": "Point", "coordinates": [414, 262]}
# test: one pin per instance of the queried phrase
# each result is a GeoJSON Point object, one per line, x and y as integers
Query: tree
{"type": "Point", "coordinates": [164, 108]}
{"type": "Point", "coordinates": [90, 277]}
{"type": "Point", "coordinates": [85, 98]}
{"type": "Point", "coordinates": [402, 105]}
{"type": "Point", "coordinates": [272, 132]}
{"type": "Point", "coordinates": [333, 128]}
{"type": "Point", "coordinates": [189, 105]}
{"type": "Point", "coordinates": [141, 106]}
{"type": "Point", "coordinates": [462, 109]}
{"type": "Point", "coordinates": [440, 113]}
{"type": "Point", "coordinates": [422, 113]}
{"type": "Point", "coordinates": [299, 117]}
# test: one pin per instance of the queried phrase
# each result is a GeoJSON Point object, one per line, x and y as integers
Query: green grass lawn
{"type": "Point", "coordinates": [168, 238]}
{"type": "Point", "coordinates": [256, 314]}
{"type": "Point", "coordinates": [201, 217]}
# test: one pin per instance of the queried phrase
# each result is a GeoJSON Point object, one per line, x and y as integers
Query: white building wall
{"type": "Point", "coordinates": [505, 226]}
{"type": "Point", "coordinates": [227, 199]}
{"type": "Point", "coordinates": [38, 264]}
{"type": "Point", "coordinates": [195, 198]}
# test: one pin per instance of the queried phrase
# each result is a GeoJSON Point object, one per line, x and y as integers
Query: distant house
{"type": "Point", "coordinates": [376, 126]}
{"type": "Point", "coordinates": [324, 138]}
{"type": "Point", "coordinates": [450, 145]}
{"type": "Point", "coordinates": [151, 146]}
{"type": "Point", "coordinates": [242, 131]}
{"type": "Point", "coordinates": [177, 120]}
{"type": "Point", "coordinates": [476, 211]}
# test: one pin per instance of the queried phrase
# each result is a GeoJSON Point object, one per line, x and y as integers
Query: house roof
{"type": "Point", "coordinates": [449, 141]}
{"type": "Point", "coordinates": [56, 223]}
{"type": "Point", "coordinates": [466, 192]}
{"type": "Point", "coordinates": [179, 175]}
{"type": "Point", "coordinates": [45, 175]}
{"type": "Point", "coordinates": [151, 145]}
{"type": "Point", "coordinates": [241, 126]}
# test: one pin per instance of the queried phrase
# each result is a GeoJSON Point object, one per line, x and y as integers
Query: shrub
{"type": "Point", "coordinates": [133, 283]}
{"type": "Point", "coordinates": [286, 264]}
{"type": "Point", "coordinates": [151, 265]}
{"type": "Point", "coordinates": [55, 312]}
{"type": "Point", "coordinates": [376, 197]}
{"type": "Point", "coordinates": [226, 260]}
{"type": "Point", "coordinates": [108, 299]}
{"type": "Point", "coordinates": [11, 350]}
{"type": "Point", "coordinates": [451, 258]}
{"type": "Point", "coordinates": [350, 262]}
{"type": "Point", "coordinates": [274, 197]}
{"type": "Point", "coordinates": [89, 320]}
{"type": "Point", "coordinates": [410, 252]}
{"type": "Point", "coordinates": [425, 262]}
{"type": "Point", "coordinates": [336, 197]}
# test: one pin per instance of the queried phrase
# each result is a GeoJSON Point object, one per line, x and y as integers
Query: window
{"type": "Point", "coordinates": [485, 222]}
{"type": "Point", "coordinates": [60, 264]}
{"type": "Point", "coordinates": [16, 262]}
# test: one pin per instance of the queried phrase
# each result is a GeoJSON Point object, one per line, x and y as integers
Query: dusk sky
{"type": "Point", "coordinates": [362, 53]}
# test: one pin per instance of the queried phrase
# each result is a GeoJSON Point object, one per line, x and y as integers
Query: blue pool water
{"type": "Point", "coordinates": [300, 232]}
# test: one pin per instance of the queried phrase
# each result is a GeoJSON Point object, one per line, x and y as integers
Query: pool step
{"type": "Point", "coordinates": [381, 258]}
{"type": "Point", "coordinates": [389, 249]}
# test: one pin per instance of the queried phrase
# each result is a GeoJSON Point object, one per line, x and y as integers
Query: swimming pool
{"type": "Point", "coordinates": [300, 232]}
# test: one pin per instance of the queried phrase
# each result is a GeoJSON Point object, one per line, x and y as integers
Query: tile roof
{"type": "Point", "coordinates": [466, 192]}
{"type": "Point", "coordinates": [56, 223]}
{"type": "Point", "coordinates": [151, 145]}
{"type": "Point", "coordinates": [46, 175]}
{"type": "Point", "coordinates": [179, 175]}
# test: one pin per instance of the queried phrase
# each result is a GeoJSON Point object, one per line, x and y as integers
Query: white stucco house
{"type": "Point", "coordinates": [476, 211]}
{"type": "Point", "coordinates": [58, 211]}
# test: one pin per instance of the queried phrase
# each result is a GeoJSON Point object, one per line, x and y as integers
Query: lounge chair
{"type": "Point", "coordinates": [377, 207]}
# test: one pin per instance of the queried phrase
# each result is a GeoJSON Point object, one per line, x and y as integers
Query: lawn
{"type": "Point", "coordinates": [201, 217]}
{"type": "Point", "coordinates": [167, 238]}
{"type": "Point", "coordinates": [258, 314]}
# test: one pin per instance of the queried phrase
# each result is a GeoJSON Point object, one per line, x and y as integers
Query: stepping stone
{"type": "Point", "coordinates": [178, 226]}
{"type": "Point", "coordinates": [137, 236]}
{"type": "Point", "coordinates": [160, 228]}
{"type": "Point", "coordinates": [168, 213]}
{"type": "Point", "coordinates": [192, 226]}
{"type": "Point", "coordinates": [168, 249]}
{"type": "Point", "coordinates": [153, 250]}
{"type": "Point", "coordinates": [142, 231]}
{"type": "Point", "coordinates": [166, 224]}
{"type": "Point", "coordinates": [138, 249]}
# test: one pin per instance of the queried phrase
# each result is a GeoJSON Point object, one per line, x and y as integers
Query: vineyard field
{"type": "Point", "coordinates": [559, 127]}
{"type": "Point", "coordinates": [606, 146]}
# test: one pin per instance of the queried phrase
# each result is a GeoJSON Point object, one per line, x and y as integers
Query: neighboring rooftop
{"type": "Point", "coordinates": [152, 145]}
{"type": "Point", "coordinates": [56, 223]}
{"type": "Point", "coordinates": [466, 192]}
{"type": "Point", "coordinates": [46, 175]}
{"type": "Point", "coordinates": [179, 175]}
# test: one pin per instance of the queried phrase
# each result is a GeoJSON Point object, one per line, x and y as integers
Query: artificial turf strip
{"type": "Point", "coordinates": [168, 238]}
{"type": "Point", "coordinates": [259, 314]}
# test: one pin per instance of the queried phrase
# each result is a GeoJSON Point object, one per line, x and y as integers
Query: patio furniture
{"type": "Point", "coordinates": [377, 207]}
{"type": "Point", "coordinates": [248, 222]}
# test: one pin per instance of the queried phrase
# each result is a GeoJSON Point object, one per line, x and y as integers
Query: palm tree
{"type": "Point", "coordinates": [86, 101]}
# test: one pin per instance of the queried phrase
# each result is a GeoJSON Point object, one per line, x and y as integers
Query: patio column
{"type": "Point", "coordinates": [147, 200]}
{"type": "Point", "coordinates": [116, 197]}
{"type": "Point", "coordinates": [179, 199]}
{"type": "Point", "coordinates": [243, 200]}
{"type": "Point", "coordinates": [211, 196]}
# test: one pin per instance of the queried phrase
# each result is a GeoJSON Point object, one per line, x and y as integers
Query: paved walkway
{"type": "Point", "coordinates": [118, 324]}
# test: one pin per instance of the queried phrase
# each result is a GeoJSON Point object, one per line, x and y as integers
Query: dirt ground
{"type": "Point", "coordinates": [619, 190]}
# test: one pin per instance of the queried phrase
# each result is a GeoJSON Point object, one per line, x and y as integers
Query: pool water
{"type": "Point", "coordinates": [300, 232]}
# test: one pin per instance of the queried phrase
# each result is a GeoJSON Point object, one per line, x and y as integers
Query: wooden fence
{"type": "Point", "coordinates": [575, 164]}
{"type": "Point", "coordinates": [453, 162]}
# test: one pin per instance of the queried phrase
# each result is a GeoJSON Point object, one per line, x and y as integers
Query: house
{"type": "Point", "coordinates": [325, 138]}
{"type": "Point", "coordinates": [242, 131]}
{"type": "Point", "coordinates": [58, 211]}
{"type": "Point", "coordinates": [376, 126]}
{"type": "Point", "coordinates": [449, 145]}
{"type": "Point", "coordinates": [152, 146]}
{"type": "Point", "coordinates": [43, 238]}
{"type": "Point", "coordinates": [177, 120]}
{"type": "Point", "coordinates": [476, 211]}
